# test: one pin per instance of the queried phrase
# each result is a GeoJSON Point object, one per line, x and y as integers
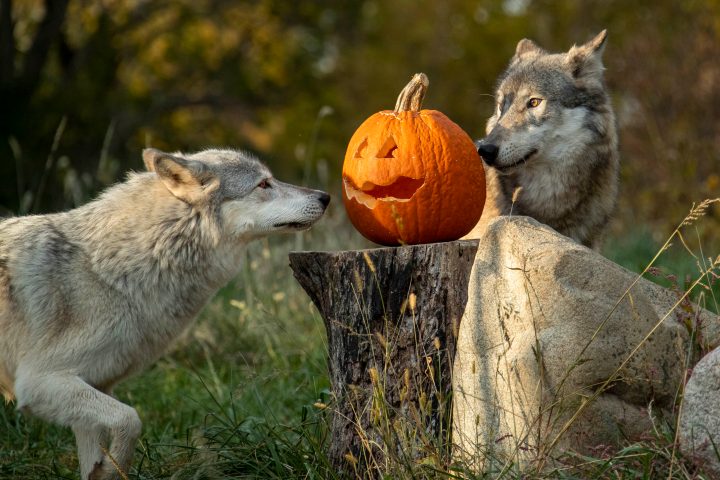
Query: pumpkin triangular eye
{"type": "Point", "coordinates": [360, 152]}
{"type": "Point", "coordinates": [388, 149]}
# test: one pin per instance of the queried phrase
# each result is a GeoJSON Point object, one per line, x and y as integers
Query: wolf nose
{"type": "Point", "coordinates": [324, 199]}
{"type": "Point", "coordinates": [487, 151]}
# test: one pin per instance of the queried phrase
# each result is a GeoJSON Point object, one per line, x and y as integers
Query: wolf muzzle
{"type": "Point", "coordinates": [324, 198]}
{"type": "Point", "coordinates": [487, 151]}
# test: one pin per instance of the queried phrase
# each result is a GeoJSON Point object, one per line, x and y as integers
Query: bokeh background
{"type": "Point", "coordinates": [86, 84]}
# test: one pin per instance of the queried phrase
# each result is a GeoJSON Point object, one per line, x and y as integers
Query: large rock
{"type": "Point", "coordinates": [700, 417]}
{"type": "Point", "coordinates": [546, 324]}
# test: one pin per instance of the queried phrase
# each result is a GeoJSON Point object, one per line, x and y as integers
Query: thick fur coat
{"type": "Point", "coordinates": [551, 148]}
{"type": "Point", "coordinates": [92, 295]}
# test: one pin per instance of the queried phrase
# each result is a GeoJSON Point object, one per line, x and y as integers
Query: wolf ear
{"type": "Point", "coordinates": [189, 180]}
{"type": "Point", "coordinates": [526, 47]}
{"type": "Point", "coordinates": [586, 60]}
{"type": "Point", "coordinates": [149, 155]}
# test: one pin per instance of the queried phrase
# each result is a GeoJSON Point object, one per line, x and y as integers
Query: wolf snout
{"type": "Point", "coordinates": [323, 198]}
{"type": "Point", "coordinates": [487, 151]}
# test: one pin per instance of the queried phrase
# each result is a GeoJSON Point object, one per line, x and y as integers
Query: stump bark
{"type": "Point", "coordinates": [392, 317]}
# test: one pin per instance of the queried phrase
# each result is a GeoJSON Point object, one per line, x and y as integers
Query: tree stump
{"type": "Point", "coordinates": [392, 317]}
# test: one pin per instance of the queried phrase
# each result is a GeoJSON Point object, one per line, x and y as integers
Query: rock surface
{"type": "Point", "coordinates": [700, 416]}
{"type": "Point", "coordinates": [546, 324]}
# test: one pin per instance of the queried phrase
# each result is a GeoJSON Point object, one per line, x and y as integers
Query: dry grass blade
{"type": "Point", "coordinates": [119, 470]}
{"type": "Point", "coordinates": [698, 211]}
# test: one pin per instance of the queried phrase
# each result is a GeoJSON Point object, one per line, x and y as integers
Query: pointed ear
{"type": "Point", "coordinates": [526, 47]}
{"type": "Point", "coordinates": [189, 180]}
{"type": "Point", "coordinates": [586, 60]}
{"type": "Point", "coordinates": [148, 155]}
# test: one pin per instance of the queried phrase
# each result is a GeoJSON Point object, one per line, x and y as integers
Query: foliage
{"type": "Point", "coordinates": [273, 76]}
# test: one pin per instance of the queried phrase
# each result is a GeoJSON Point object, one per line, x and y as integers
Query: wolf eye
{"type": "Point", "coordinates": [264, 184]}
{"type": "Point", "coordinates": [534, 102]}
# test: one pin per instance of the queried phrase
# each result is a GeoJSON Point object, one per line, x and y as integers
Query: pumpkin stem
{"type": "Point", "coordinates": [411, 97]}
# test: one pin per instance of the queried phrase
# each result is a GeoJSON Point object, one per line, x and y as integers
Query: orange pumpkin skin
{"type": "Point", "coordinates": [430, 188]}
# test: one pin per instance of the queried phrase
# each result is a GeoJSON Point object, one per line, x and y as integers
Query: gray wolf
{"type": "Point", "coordinates": [94, 294]}
{"type": "Point", "coordinates": [551, 147]}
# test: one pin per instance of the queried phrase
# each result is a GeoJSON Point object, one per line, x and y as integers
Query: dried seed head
{"type": "Point", "coordinates": [374, 376]}
{"type": "Point", "coordinates": [369, 262]}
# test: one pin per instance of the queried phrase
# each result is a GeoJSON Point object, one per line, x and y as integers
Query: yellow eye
{"type": "Point", "coordinates": [534, 102]}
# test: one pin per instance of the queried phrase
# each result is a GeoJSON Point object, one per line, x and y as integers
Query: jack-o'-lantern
{"type": "Point", "coordinates": [412, 176]}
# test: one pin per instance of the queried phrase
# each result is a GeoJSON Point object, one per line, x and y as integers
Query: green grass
{"type": "Point", "coordinates": [241, 394]}
{"type": "Point", "coordinates": [678, 266]}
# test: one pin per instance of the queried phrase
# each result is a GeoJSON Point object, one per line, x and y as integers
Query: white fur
{"type": "Point", "coordinates": [90, 296]}
{"type": "Point", "coordinates": [548, 170]}
{"type": "Point", "coordinates": [564, 143]}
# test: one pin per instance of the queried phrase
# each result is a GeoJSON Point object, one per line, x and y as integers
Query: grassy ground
{"type": "Point", "coordinates": [241, 395]}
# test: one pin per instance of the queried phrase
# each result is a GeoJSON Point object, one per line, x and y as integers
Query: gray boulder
{"type": "Point", "coordinates": [700, 417]}
{"type": "Point", "coordinates": [546, 324]}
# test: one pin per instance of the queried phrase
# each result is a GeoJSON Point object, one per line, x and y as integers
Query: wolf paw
{"type": "Point", "coordinates": [105, 470]}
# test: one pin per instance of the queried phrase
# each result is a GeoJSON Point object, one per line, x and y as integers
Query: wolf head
{"type": "Point", "coordinates": [239, 191]}
{"type": "Point", "coordinates": [543, 105]}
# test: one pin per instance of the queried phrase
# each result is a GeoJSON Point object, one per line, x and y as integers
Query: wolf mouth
{"type": "Point", "coordinates": [524, 159]}
{"type": "Point", "coordinates": [294, 225]}
{"type": "Point", "coordinates": [402, 189]}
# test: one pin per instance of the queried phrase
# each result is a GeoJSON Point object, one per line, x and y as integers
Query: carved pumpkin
{"type": "Point", "coordinates": [412, 176]}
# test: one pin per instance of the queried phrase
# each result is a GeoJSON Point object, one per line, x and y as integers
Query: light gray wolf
{"type": "Point", "coordinates": [551, 149]}
{"type": "Point", "coordinates": [92, 295]}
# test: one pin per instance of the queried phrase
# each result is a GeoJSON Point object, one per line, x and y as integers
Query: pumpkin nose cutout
{"type": "Point", "coordinates": [388, 149]}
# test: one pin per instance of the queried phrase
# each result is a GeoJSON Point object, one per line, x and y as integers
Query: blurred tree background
{"type": "Point", "coordinates": [85, 84]}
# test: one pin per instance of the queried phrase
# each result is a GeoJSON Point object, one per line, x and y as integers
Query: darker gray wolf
{"type": "Point", "coordinates": [551, 148]}
{"type": "Point", "coordinates": [92, 295]}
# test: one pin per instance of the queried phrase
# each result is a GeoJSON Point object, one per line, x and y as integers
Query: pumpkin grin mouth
{"type": "Point", "coordinates": [401, 189]}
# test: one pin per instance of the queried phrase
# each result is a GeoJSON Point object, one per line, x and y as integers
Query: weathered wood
{"type": "Point", "coordinates": [392, 317]}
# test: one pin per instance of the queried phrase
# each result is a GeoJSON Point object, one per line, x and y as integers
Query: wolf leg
{"type": "Point", "coordinates": [67, 400]}
{"type": "Point", "coordinates": [90, 454]}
